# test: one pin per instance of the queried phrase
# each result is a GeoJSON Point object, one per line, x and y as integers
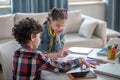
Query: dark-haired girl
{"type": "Point", "coordinates": [52, 38]}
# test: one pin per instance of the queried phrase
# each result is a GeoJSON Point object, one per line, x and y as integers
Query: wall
{"type": "Point", "coordinates": [95, 10]}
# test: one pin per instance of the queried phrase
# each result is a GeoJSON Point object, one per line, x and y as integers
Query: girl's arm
{"type": "Point", "coordinates": [60, 43]}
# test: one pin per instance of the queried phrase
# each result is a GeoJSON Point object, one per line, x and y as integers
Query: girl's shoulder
{"type": "Point", "coordinates": [46, 26]}
{"type": "Point", "coordinates": [45, 33]}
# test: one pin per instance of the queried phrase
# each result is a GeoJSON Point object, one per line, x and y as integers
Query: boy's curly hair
{"type": "Point", "coordinates": [23, 29]}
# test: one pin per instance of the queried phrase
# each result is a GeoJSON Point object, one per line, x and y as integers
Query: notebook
{"type": "Point", "coordinates": [109, 69]}
{"type": "Point", "coordinates": [80, 50]}
{"type": "Point", "coordinates": [94, 55]}
{"type": "Point", "coordinates": [103, 51]}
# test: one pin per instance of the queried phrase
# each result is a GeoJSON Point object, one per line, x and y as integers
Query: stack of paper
{"type": "Point", "coordinates": [80, 50]}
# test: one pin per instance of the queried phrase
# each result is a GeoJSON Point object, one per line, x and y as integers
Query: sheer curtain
{"type": "Point", "coordinates": [112, 14]}
{"type": "Point", "coordinates": [34, 6]}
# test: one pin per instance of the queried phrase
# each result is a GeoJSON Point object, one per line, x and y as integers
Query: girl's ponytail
{"type": "Point", "coordinates": [46, 21]}
{"type": "Point", "coordinates": [56, 14]}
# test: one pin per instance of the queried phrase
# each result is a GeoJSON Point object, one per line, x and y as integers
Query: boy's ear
{"type": "Point", "coordinates": [32, 37]}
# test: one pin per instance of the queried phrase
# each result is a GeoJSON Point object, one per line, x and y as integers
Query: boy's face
{"type": "Point", "coordinates": [36, 40]}
{"type": "Point", "coordinates": [58, 25]}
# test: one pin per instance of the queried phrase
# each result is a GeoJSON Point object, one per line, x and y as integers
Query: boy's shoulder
{"type": "Point", "coordinates": [24, 50]}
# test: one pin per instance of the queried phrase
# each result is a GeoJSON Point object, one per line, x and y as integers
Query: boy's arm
{"type": "Point", "coordinates": [54, 55]}
{"type": "Point", "coordinates": [48, 64]}
{"type": "Point", "coordinates": [57, 55]}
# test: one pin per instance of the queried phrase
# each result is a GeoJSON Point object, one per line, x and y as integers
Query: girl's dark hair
{"type": "Point", "coordinates": [23, 29]}
{"type": "Point", "coordinates": [57, 13]}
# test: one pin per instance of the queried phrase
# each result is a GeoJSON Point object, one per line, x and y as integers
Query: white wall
{"type": "Point", "coordinates": [95, 10]}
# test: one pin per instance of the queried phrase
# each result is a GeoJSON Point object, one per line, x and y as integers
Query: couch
{"type": "Point", "coordinates": [81, 30]}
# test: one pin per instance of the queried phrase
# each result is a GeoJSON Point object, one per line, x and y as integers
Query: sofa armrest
{"type": "Point", "coordinates": [100, 30]}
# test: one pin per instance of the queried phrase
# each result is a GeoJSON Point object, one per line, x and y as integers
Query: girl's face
{"type": "Point", "coordinates": [57, 25]}
{"type": "Point", "coordinates": [36, 40]}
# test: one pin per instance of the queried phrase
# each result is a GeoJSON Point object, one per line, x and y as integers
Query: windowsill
{"type": "Point", "coordinates": [5, 6]}
{"type": "Point", "coordinates": [86, 3]}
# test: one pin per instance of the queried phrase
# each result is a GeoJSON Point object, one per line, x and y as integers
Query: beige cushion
{"type": "Point", "coordinates": [40, 17]}
{"type": "Point", "coordinates": [73, 22]}
{"type": "Point", "coordinates": [75, 40]}
{"type": "Point", "coordinates": [87, 28]}
{"type": "Point", "coordinates": [6, 24]}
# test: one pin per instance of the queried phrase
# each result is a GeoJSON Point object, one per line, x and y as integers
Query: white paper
{"type": "Point", "coordinates": [81, 50]}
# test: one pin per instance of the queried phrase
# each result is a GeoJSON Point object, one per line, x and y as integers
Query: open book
{"type": "Point", "coordinates": [80, 50]}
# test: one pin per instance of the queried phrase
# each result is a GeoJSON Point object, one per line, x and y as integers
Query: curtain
{"type": "Point", "coordinates": [34, 6]}
{"type": "Point", "coordinates": [112, 14]}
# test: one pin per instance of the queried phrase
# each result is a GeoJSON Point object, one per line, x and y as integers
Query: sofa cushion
{"type": "Point", "coordinates": [73, 22]}
{"type": "Point", "coordinates": [75, 40]}
{"type": "Point", "coordinates": [2, 41]}
{"type": "Point", "coordinates": [40, 17]}
{"type": "Point", "coordinates": [112, 33]}
{"type": "Point", "coordinates": [6, 24]}
{"type": "Point", "coordinates": [87, 28]}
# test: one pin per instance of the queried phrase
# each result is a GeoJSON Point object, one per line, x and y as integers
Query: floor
{"type": "Point", "coordinates": [1, 73]}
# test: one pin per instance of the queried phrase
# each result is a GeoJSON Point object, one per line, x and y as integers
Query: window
{"type": "Point", "coordinates": [83, 0]}
{"type": "Point", "coordinates": [4, 2]}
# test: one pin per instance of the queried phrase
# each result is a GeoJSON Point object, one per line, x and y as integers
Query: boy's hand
{"type": "Point", "coordinates": [84, 62]}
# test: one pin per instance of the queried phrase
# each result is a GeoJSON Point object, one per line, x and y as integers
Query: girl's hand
{"type": "Point", "coordinates": [58, 33]}
{"type": "Point", "coordinates": [64, 54]}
